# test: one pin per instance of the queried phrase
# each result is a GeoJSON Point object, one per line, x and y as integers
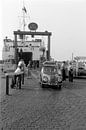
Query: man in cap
{"type": "Point", "coordinates": [17, 71]}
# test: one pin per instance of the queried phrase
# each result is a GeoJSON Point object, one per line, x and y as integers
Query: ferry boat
{"type": "Point", "coordinates": [27, 49]}
{"type": "Point", "coordinates": [32, 50]}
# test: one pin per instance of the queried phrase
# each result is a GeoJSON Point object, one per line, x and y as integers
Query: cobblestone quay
{"type": "Point", "coordinates": [34, 108]}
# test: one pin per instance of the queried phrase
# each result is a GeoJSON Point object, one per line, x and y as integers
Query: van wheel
{"type": "Point", "coordinates": [60, 87]}
{"type": "Point", "coordinates": [42, 85]}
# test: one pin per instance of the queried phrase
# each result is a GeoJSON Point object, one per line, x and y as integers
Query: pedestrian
{"type": "Point", "coordinates": [17, 71]}
{"type": "Point", "coordinates": [23, 69]}
{"type": "Point", "coordinates": [70, 73]}
{"type": "Point", "coordinates": [2, 69]}
{"type": "Point", "coordinates": [28, 67]}
{"type": "Point", "coordinates": [63, 72]}
{"type": "Point", "coordinates": [22, 64]}
{"type": "Point", "coordinates": [31, 64]}
{"type": "Point", "coordinates": [34, 64]}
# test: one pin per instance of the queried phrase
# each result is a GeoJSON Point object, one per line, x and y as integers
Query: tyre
{"type": "Point", "coordinates": [42, 85]}
{"type": "Point", "coordinates": [59, 87]}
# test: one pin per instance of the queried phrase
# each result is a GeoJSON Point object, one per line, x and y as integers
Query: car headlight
{"type": "Point", "coordinates": [45, 79]}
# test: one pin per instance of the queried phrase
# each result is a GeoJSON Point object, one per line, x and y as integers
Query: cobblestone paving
{"type": "Point", "coordinates": [34, 108]}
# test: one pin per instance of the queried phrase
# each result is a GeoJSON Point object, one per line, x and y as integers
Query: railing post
{"type": "Point", "coordinates": [7, 84]}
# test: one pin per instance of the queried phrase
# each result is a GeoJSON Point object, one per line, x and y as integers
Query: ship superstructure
{"type": "Point", "coordinates": [27, 50]}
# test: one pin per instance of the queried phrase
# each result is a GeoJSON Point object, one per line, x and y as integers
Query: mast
{"type": "Point", "coordinates": [25, 15]}
{"type": "Point", "coordinates": [72, 57]}
{"type": "Point", "coordinates": [24, 22]}
{"type": "Point", "coordinates": [23, 9]}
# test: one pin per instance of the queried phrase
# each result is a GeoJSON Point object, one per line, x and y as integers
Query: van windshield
{"type": "Point", "coordinates": [50, 70]}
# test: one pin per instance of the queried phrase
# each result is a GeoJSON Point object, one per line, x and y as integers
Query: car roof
{"type": "Point", "coordinates": [49, 63]}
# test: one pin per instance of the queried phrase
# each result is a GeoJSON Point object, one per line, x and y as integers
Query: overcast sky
{"type": "Point", "coordinates": [66, 19]}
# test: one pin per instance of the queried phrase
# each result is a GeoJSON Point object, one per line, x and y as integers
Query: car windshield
{"type": "Point", "coordinates": [50, 69]}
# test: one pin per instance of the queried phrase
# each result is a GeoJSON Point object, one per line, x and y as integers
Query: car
{"type": "Point", "coordinates": [81, 71]}
{"type": "Point", "coordinates": [50, 75]}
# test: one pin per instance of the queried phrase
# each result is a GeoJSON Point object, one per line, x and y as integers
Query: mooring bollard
{"type": "Point", "coordinates": [7, 84]}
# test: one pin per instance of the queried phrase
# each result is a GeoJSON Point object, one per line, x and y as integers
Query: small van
{"type": "Point", "coordinates": [50, 75]}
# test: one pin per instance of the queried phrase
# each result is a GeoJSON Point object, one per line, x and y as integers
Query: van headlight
{"type": "Point", "coordinates": [56, 75]}
{"type": "Point", "coordinates": [59, 73]}
{"type": "Point", "coordinates": [45, 79]}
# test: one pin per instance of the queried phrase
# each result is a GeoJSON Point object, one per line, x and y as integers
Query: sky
{"type": "Point", "coordinates": [66, 19]}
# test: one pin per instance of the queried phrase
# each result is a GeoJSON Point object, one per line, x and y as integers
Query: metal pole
{"type": "Point", "coordinates": [7, 85]}
{"type": "Point", "coordinates": [48, 47]}
{"type": "Point", "coordinates": [16, 58]}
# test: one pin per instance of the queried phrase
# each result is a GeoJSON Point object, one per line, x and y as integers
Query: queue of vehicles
{"type": "Point", "coordinates": [51, 75]}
